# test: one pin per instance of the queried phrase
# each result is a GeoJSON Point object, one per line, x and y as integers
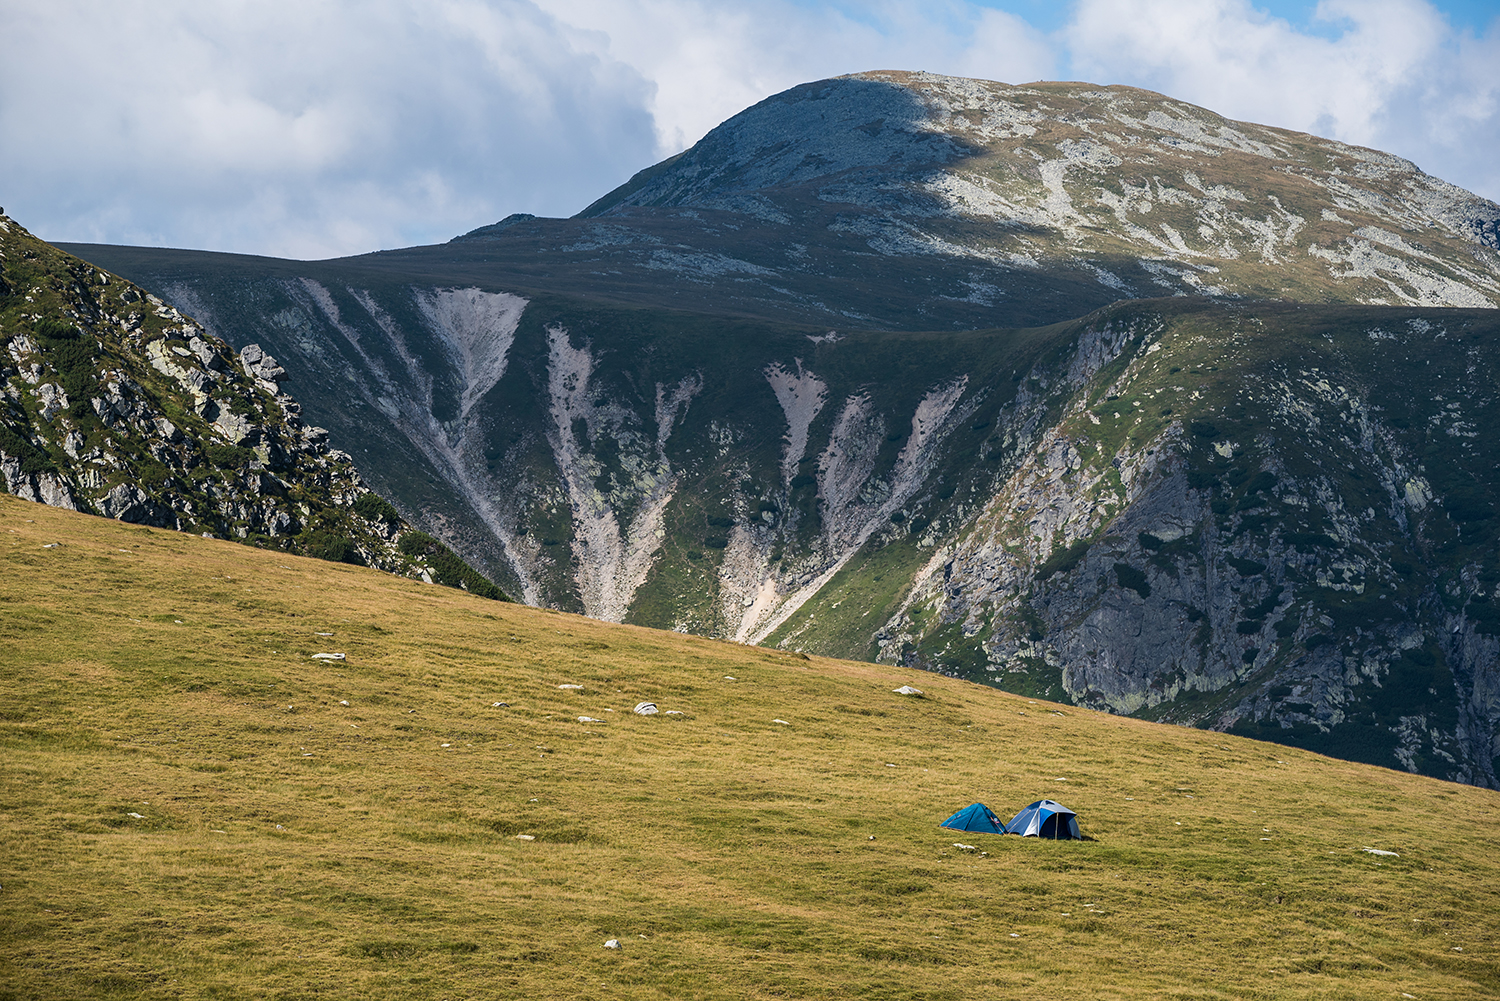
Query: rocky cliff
{"type": "Point", "coordinates": [117, 404]}
{"type": "Point", "coordinates": [1275, 520]}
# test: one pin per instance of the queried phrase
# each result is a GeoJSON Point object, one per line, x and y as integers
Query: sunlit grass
{"type": "Point", "coordinates": [290, 846]}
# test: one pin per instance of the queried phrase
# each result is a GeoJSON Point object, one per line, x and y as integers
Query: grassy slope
{"type": "Point", "coordinates": [292, 846]}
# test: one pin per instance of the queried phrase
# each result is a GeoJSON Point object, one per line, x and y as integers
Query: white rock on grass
{"type": "Point", "coordinates": [1382, 851]}
{"type": "Point", "coordinates": [645, 709]}
{"type": "Point", "coordinates": [328, 656]}
{"type": "Point", "coordinates": [570, 687]}
{"type": "Point", "coordinates": [589, 719]}
{"type": "Point", "coordinates": [613, 943]}
{"type": "Point", "coordinates": [906, 690]}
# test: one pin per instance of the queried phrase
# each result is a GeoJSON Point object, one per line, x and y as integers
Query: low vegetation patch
{"type": "Point", "coordinates": [465, 806]}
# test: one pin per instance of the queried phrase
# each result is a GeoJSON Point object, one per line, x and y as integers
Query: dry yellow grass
{"type": "Point", "coordinates": [190, 810]}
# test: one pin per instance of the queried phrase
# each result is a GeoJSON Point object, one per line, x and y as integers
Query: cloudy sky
{"type": "Point", "coordinates": [316, 128]}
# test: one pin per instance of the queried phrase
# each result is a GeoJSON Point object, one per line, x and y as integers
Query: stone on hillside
{"type": "Point", "coordinates": [206, 354]}
{"type": "Point", "coordinates": [261, 367]}
{"type": "Point", "coordinates": [328, 656]}
{"type": "Point", "coordinates": [907, 690]}
{"type": "Point", "coordinates": [613, 943]}
{"type": "Point", "coordinates": [128, 502]}
{"type": "Point", "coordinates": [53, 400]}
{"type": "Point", "coordinates": [645, 709]}
{"type": "Point", "coordinates": [235, 427]}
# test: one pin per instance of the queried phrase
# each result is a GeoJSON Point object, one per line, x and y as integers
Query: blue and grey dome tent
{"type": "Point", "coordinates": [1045, 819]}
{"type": "Point", "coordinates": [977, 818]}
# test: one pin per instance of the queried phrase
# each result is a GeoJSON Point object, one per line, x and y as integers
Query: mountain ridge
{"type": "Point", "coordinates": [117, 404]}
{"type": "Point", "coordinates": [661, 423]}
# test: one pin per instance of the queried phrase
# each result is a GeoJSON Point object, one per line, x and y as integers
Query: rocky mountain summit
{"type": "Point", "coordinates": [117, 404]}
{"type": "Point", "coordinates": [1077, 391]}
{"type": "Point", "coordinates": [921, 201]}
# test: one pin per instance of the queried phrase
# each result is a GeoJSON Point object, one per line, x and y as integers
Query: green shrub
{"type": "Point", "coordinates": [1135, 580]}
{"type": "Point", "coordinates": [228, 456]}
{"type": "Point", "coordinates": [334, 548]}
{"type": "Point", "coordinates": [448, 568]}
{"type": "Point", "coordinates": [1246, 568]}
{"type": "Point", "coordinates": [152, 475]}
{"type": "Point", "coordinates": [1306, 542]}
{"type": "Point", "coordinates": [1063, 560]}
{"type": "Point", "coordinates": [373, 507]}
{"type": "Point", "coordinates": [32, 459]}
{"type": "Point", "coordinates": [416, 543]}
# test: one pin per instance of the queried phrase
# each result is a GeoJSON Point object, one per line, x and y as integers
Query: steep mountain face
{"type": "Point", "coordinates": [1277, 520]}
{"type": "Point", "coordinates": [1217, 510]}
{"type": "Point", "coordinates": [118, 405]}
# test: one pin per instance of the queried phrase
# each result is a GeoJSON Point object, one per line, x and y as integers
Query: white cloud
{"type": "Point", "coordinates": [319, 127]}
{"type": "Point", "coordinates": [1393, 74]}
{"type": "Point", "coordinates": [711, 60]}
{"type": "Point", "coordinates": [305, 128]}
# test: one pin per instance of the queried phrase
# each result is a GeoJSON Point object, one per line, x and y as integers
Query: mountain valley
{"type": "Point", "coordinates": [1079, 392]}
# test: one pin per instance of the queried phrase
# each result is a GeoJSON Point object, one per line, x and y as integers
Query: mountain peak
{"type": "Point", "coordinates": [1137, 191]}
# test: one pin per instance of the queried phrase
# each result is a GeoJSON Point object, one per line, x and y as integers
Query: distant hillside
{"type": "Point", "coordinates": [467, 807]}
{"type": "Point", "coordinates": [117, 404]}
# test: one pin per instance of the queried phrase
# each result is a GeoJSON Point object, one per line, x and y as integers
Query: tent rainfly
{"type": "Point", "coordinates": [977, 818]}
{"type": "Point", "coordinates": [1045, 819]}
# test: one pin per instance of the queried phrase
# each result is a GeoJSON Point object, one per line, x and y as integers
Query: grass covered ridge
{"type": "Point", "coordinates": [190, 810]}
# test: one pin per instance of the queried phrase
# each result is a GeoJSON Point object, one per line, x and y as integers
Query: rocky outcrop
{"type": "Point", "coordinates": [1267, 555]}
{"type": "Point", "coordinates": [116, 404]}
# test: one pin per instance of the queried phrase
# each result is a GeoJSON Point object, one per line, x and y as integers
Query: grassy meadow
{"type": "Point", "coordinates": [191, 806]}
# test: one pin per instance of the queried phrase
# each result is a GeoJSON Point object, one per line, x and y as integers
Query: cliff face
{"type": "Point", "coordinates": [1268, 519]}
{"type": "Point", "coordinates": [117, 404]}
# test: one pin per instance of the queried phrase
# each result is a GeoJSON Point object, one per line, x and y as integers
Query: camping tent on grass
{"type": "Point", "coordinates": [1045, 819]}
{"type": "Point", "coordinates": [977, 818]}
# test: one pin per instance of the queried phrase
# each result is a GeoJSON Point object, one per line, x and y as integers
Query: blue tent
{"type": "Point", "coordinates": [977, 818]}
{"type": "Point", "coordinates": [1045, 819]}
